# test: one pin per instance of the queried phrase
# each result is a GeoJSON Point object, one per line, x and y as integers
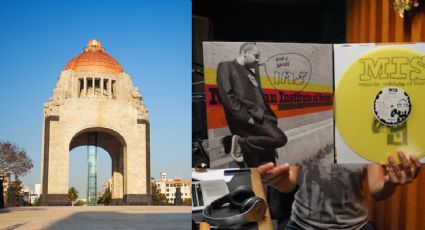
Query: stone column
{"type": "Point", "coordinates": [110, 88]}
{"type": "Point", "coordinates": [93, 84]}
{"type": "Point", "coordinates": [101, 87]}
{"type": "Point", "coordinates": [55, 164]}
{"type": "Point", "coordinates": [85, 87]}
{"type": "Point", "coordinates": [138, 167]}
{"type": "Point", "coordinates": [117, 179]}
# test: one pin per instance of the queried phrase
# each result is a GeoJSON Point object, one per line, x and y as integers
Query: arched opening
{"type": "Point", "coordinates": [78, 171]}
{"type": "Point", "coordinates": [111, 142]}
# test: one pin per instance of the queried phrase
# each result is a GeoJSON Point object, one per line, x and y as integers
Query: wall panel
{"type": "Point", "coordinates": [376, 21]}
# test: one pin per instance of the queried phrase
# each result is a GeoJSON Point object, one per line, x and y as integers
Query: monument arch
{"type": "Point", "coordinates": [95, 103]}
{"type": "Point", "coordinates": [114, 144]}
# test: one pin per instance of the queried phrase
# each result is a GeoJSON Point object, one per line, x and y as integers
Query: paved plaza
{"type": "Point", "coordinates": [96, 217]}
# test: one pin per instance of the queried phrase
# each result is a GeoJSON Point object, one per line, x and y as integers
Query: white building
{"type": "Point", "coordinates": [163, 176]}
{"type": "Point", "coordinates": [168, 187]}
{"type": "Point", "coordinates": [106, 186]}
{"type": "Point", "coordinates": [37, 189]}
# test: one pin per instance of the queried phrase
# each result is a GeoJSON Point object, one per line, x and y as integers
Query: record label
{"type": "Point", "coordinates": [379, 103]}
{"type": "Point", "coordinates": [392, 106]}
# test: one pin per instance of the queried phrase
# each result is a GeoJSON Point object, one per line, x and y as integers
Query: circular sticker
{"type": "Point", "coordinates": [392, 106]}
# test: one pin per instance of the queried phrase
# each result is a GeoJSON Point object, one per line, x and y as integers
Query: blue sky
{"type": "Point", "coordinates": [150, 39]}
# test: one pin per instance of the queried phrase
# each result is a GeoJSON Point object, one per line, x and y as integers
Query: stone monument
{"type": "Point", "coordinates": [95, 97]}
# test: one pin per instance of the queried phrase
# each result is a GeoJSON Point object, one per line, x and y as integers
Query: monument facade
{"type": "Point", "coordinates": [94, 97]}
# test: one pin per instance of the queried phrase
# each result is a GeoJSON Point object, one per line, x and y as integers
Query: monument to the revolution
{"type": "Point", "coordinates": [95, 103]}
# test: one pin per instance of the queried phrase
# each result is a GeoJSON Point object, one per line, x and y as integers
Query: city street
{"type": "Point", "coordinates": [96, 217]}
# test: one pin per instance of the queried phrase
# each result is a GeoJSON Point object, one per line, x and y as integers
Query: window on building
{"type": "Point", "coordinates": [81, 88]}
{"type": "Point", "coordinates": [89, 87]}
{"type": "Point", "coordinates": [89, 83]}
{"type": "Point", "coordinates": [97, 83]}
{"type": "Point", "coordinates": [105, 85]}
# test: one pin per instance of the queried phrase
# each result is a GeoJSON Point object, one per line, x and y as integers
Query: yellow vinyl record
{"type": "Point", "coordinates": [380, 104]}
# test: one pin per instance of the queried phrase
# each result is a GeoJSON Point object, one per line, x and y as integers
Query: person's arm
{"type": "Point", "coordinates": [383, 179]}
{"type": "Point", "coordinates": [379, 188]}
{"type": "Point", "coordinates": [226, 90]}
{"type": "Point", "coordinates": [281, 177]}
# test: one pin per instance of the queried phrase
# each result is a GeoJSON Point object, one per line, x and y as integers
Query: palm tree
{"type": "Point", "coordinates": [72, 194]}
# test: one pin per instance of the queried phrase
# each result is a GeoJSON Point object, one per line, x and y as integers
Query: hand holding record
{"type": "Point", "coordinates": [403, 173]}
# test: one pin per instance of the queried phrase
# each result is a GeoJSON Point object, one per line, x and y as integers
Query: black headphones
{"type": "Point", "coordinates": [251, 208]}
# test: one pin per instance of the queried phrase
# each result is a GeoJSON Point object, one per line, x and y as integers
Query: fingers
{"type": "Point", "coordinates": [410, 167]}
{"type": "Point", "coordinates": [275, 174]}
{"type": "Point", "coordinates": [405, 164]}
{"type": "Point", "coordinates": [415, 161]}
{"type": "Point", "coordinates": [394, 167]}
{"type": "Point", "coordinates": [276, 181]}
{"type": "Point", "coordinates": [417, 165]}
{"type": "Point", "coordinates": [386, 178]}
{"type": "Point", "coordinates": [262, 169]}
{"type": "Point", "coordinates": [390, 175]}
{"type": "Point", "coordinates": [402, 173]}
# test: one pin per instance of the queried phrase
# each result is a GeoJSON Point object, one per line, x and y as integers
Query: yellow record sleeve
{"type": "Point", "coordinates": [380, 103]}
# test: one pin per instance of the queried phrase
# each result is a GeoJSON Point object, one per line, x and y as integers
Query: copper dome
{"type": "Point", "coordinates": [95, 59]}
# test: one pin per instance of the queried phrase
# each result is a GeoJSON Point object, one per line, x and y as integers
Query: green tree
{"type": "Point", "coordinates": [158, 198]}
{"type": "Point", "coordinates": [80, 203]}
{"type": "Point", "coordinates": [187, 202]}
{"type": "Point", "coordinates": [72, 194]}
{"type": "Point", "coordinates": [37, 201]}
{"type": "Point", "coordinates": [106, 198]}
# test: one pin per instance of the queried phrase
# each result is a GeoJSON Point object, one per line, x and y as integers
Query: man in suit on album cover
{"type": "Point", "coordinates": [251, 121]}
